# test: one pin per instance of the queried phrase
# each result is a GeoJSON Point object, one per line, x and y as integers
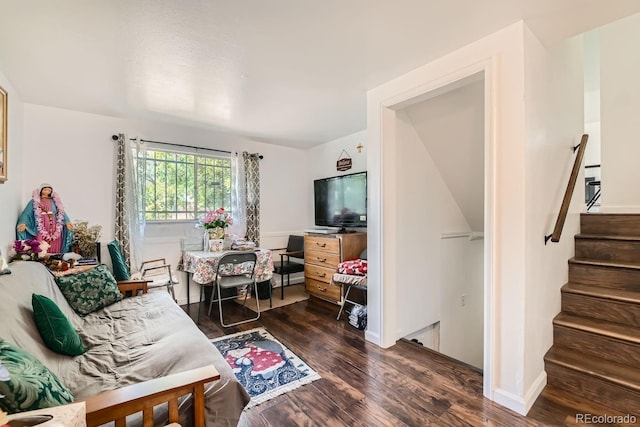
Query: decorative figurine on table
{"type": "Point", "coordinates": [44, 219]}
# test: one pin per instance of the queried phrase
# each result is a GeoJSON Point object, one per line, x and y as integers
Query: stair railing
{"type": "Point", "coordinates": [564, 208]}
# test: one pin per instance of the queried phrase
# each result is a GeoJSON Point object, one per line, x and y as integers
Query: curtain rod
{"type": "Point", "coordinates": [115, 138]}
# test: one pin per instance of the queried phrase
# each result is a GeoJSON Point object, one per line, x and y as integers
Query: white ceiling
{"type": "Point", "coordinates": [290, 72]}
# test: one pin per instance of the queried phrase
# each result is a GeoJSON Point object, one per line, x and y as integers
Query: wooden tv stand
{"type": "Point", "coordinates": [322, 254]}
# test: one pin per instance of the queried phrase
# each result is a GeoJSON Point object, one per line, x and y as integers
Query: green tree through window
{"type": "Point", "coordinates": [182, 186]}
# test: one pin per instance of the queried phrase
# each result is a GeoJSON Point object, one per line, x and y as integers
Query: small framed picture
{"type": "Point", "coordinates": [216, 245]}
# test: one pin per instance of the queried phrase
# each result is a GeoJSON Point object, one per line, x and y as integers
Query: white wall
{"type": "Point", "coordinates": [620, 103]}
{"type": "Point", "coordinates": [423, 200]}
{"type": "Point", "coordinates": [451, 125]}
{"type": "Point", "coordinates": [462, 324]}
{"type": "Point", "coordinates": [433, 273]}
{"type": "Point", "coordinates": [323, 158]}
{"type": "Point", "coordinates": [554, 124]}
{"type": "Point", "coordinates": [10, 191]}
{"type": "Point", "coordinates": [501, 56]}
{"type": "Point", "coordinates": [592, 102]}
{"type": "Point", "coordinates": [74, 152]}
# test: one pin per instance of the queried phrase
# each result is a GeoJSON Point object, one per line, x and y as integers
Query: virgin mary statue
{"type": "Point", "coordinates": [44, 219]}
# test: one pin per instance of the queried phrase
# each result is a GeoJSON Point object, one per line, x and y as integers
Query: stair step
{"type": "Point", "coordinates": [601, 381]}
{"type": "Point", "coordinates": [577, 405]}
{"type": "Point", "coordinates": [612, 305]}
{"type": "Point", "coordinates": [622, 375]}
{"type": "Point", "coordinates": [603, 223]}
{"type": "Point", "coordinates": [601, 327]}
{"type": "Point", "coordinates": [609, 274]}
{"type": "Point", "coordinates": [597, 343]}
{"type": "Point", "coordinates": [620, 295]}
{"type": "Point", "coordinates": [625, 249]}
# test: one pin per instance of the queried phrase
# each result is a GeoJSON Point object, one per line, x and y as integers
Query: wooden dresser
{"type": "Point", "coordinates": [322, 254]}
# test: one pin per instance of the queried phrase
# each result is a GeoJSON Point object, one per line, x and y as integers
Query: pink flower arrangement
{"type": "Point", "coordinates": [218, 218]}
{"type": "Point", "coordinates": [29, 249]}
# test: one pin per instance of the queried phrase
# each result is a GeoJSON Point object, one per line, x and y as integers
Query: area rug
{"type": "Point", "coordinates": [292, 294]}
{"type": "Point", "coordinates": [264, 366]}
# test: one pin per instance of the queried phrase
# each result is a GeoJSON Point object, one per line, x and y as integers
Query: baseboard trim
{"type": "Point", "coordinates": [372, 337]}
{"type": "Point", "coordinates": [613, 209]}
{"type": "Point", "coordinates": [519, 404]}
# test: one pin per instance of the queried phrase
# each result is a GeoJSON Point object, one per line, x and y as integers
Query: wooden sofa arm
{"type": "Point", "coordinates": [115, 405]}
{"type": "Point", "coordinates": [132, 287]}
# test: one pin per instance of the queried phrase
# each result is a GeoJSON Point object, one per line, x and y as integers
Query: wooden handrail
{"type": "Point", "coordinates": [564, 208]}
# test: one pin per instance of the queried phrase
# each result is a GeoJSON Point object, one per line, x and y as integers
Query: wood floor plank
{"type": "Point", "coordinates": [365, 385]}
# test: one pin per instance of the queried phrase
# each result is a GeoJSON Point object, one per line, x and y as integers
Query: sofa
{"type": "Point", "coordinates": [128, 342]}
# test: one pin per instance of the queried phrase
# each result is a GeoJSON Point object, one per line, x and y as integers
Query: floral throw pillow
{"type": "Point", "coordinates": [26, 384]}
{"type": "Point", "coordinates": [90, 290]}
{"type": "Point", "coordinates": [355, 267]}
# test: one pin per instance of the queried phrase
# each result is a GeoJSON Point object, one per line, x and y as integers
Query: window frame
{"type": "Point", "coordinates": [200, 160]}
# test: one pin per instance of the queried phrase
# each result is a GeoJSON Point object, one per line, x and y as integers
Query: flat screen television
{"type": "Point", "coordinates": [341, 201]}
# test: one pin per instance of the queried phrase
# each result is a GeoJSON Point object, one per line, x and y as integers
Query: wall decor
{"type": "Point", "coordinates": [344, 162]}
{"type": "Point", "coordinates": [3, 135]}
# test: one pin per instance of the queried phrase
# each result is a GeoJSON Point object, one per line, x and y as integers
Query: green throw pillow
{"type": "Point", "coordinates": [90, 290]}
{"type": "Point", "coordinates": [26, 384]}
{"type": "Point", "coordinates": [54, 327]}
{"type": "Point", "coordinates": [120, 269]}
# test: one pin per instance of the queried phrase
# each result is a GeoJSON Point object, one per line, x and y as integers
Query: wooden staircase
{"type": "Point", "coordinates": [596, 340]}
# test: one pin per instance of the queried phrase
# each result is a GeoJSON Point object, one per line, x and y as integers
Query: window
{"type": "Point", "coordinates": [182, 186]}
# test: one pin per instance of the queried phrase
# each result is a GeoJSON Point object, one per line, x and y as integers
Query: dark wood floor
{"type": "Point", "coordinates": [364, 385]}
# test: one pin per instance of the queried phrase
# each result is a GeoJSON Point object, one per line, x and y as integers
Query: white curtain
{"type": "Point", "coordinates": [135, 192]}
{"type": "Point", "coordinates": [238, 197]}
{"type": "Point", "coordinates": [129, 218]}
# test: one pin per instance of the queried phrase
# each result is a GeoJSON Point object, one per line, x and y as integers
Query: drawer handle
{"type": "Point", "coordinates": [321, 259]}
{"type": "Point", "coordinates": [322, 289]}
{"type": "Point", "coordinates": [321, 274]}
{"type": "Point", "coordinates": [322, 245]}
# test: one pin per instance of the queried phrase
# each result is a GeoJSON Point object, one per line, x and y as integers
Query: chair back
{"type": "Point", "coordinates": [236, 268]}
{"type": "Point", "coordinates": [296, 244]}
{"type": "Point", "coordinates": [120, 269]}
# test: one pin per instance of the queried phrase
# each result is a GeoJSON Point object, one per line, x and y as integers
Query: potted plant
{"type": "Point", "coordinates": [85, 238]}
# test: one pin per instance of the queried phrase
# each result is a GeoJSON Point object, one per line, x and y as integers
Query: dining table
{"type": "Point", "coordinates": [201, 266]}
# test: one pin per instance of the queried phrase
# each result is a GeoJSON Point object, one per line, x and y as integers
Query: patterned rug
{"type": "Point", "coordinates": [264, 366]}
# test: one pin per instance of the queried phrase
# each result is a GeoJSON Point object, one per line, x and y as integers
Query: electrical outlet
{"type": "Point", "coordinates": [463, 300]}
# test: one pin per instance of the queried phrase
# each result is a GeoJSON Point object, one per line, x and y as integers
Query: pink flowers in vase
{"type": "Point", "coordinates": [217, 219]}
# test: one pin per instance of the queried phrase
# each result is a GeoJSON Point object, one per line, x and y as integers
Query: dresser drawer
{"type": "Point", "coordinates": [325, 244]}
{"type": "Point", "coordinates": [322, 274]}
{"type": "Point", "coordinates": [327, 259]}
{"type": "Point", "coordinates": [324, 290]}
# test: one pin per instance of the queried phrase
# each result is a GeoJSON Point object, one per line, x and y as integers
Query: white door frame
{"type": "Point", "coordinates": [382, 234]}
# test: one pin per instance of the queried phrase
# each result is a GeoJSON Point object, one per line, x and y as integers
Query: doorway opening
{"type": "Point", "coordinates": [440, 137]}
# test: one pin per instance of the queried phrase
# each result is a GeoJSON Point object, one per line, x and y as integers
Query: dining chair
{"type": "Point", "coordinates": [235, 270]}
{"type": "Point", "coordinates": [294, 249]}
{"type": "Point", "coordinates": [156, 272]}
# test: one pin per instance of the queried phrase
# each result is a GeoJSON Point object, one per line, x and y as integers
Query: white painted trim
{"type": "Point", "coordinates": [518, 404]}
{"type": "Point", "coordinates": [372, 337]}
{"type": "Point", "coordinates": [491, 327]}
{"type": "Point", "coordinates": [534, 391]}
{"type": "Point", "coordinates": [471, 235]}
{"type": "Point", "coordinates": [509, 400]}
{"type": "Point", "coordinates": [387, 122]}
{"type": "Point", "coordinates": [619, 209]}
